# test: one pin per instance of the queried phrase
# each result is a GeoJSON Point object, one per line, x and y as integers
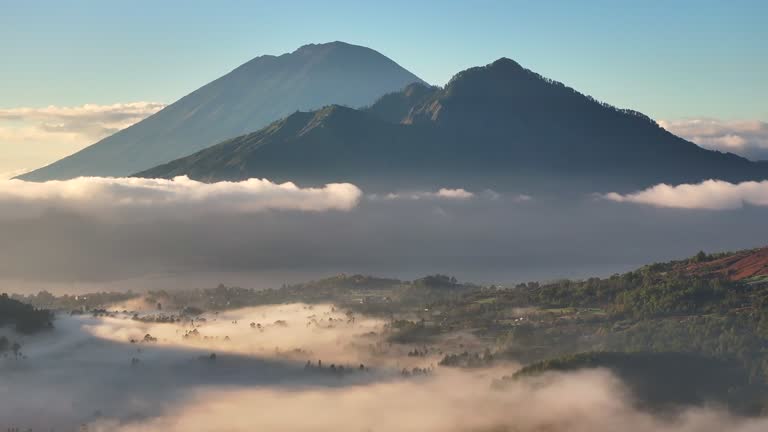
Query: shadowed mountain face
{"type": "Point", "coordinates": [499, 126]}
{"type": "Point", "coordinates": [248, 98]}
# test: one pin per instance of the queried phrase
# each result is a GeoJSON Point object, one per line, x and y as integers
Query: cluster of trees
{"type": "Point", "coordinates": [665, 307]}
{"type": "Point", "coordinates": [418, 352]}
{"type": "Point", "coordinates": [468, 360]}
{"type": "Point", "coordinates": [666, 380]}
{"type": "Point", "coordinates": [416, 371]}
{"type": "Point", "coordinates": [6, 345]}
{"type": "Point", "coordinates": [24, 317]}
{"type": "Point", "coordinates": [333, 368]}
{"type": "Point", "coordinates": [82, 302]}
{"type": "Point", "coordinates": [410, 332]}
{"type": "Point", "coordinates": [365, 294]}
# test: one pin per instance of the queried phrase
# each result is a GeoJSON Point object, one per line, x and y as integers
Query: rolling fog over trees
{"type": "Point", "coordinates": [489, 217]}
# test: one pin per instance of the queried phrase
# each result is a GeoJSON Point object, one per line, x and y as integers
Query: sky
{"type": "Point", "coordinates": [674, 61]}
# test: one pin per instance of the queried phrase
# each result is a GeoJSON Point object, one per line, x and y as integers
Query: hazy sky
{"type": "Point", "coordinates": [685, 59]}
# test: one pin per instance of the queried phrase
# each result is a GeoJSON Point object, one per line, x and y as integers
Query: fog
{"type": "Point", "coordinates": [451, 401]}
{"type": "Point", "coordinates": [117, 373]}
{"type": "Point", "coordinates": [88, 368]}
{"type": "Point", "coordinates": [133, 233]}
{"type": "Point", "coordinates": [297, 332]}
{"type": "Point", "coordinates": [82, 373]}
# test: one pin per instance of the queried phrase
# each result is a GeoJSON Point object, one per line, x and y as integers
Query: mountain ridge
{"type": "Point", "coordinates": [499, 126]}
{"type": "Point", "coordinates": [251, 96]}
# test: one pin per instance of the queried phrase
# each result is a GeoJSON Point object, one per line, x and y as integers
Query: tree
{"type": "Point", "coordinates": [700, 257]}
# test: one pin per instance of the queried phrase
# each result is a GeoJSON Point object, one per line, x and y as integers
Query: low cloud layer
{"type": "Point", "coordinates": [86, 369]}
{"type": "Point", "coordinates": [748, 138]}
{"type": "Point", "coordinates": [447, 194]}
{"type": "Point", "coordinates": [134, 233]}
{"type": "Point", "coordinates": [85, 372]}
{"type": "Point", "coordinates": [90, 120]}
{"type": "Point", "coordinates": [32, 137]}
{"type": "Point", "coordinates": [176, 198]}
{"type": "Point", "coordinates": [452, 401]}
{"type": "Point", "coordinates": [295, 332]}
{"type": "Point", "coordinates": [444, 193]}
{"type": "Point", "coordinates": [709, 195]}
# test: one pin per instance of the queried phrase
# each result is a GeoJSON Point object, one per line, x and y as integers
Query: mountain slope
{"type": "Point", "coordinates": [499, 126]}
{"type": "Point", "coordinates": [244, 100]}
{"type": "Point", "coordinates": [742, 265]}
{"type": "Point", "coordinates": [312, 147]}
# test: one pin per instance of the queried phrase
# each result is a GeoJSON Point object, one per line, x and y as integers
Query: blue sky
{"type": "Point", "coordinates": [670, 59]}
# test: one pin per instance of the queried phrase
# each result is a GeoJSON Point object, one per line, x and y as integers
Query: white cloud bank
{"type": "Point", "coordinates": [444, 193]}
{"type": "Point", "coordinates": [179, 197]}
{"type": "Point", "coordinates": [448, 194]}
{"type": "Point", "coordinates": [32, 137]}
{"type": "Point", "coordinates": [7, 175]}
{"type": "Point", "coordinates": [748, 138]}
{"type": "Point", "coordinates": [90, 120]}
{"type": "Point", "coordinates": [710, 195]}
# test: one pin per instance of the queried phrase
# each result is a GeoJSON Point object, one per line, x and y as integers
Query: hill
{"type": "Point", "coordinates": [646, 325]}
{"type": "Point", "coordinates": [499, 126]}
{"type": "Point", "coordinates": [24, 317]}
{"type": "Point", "coordinates": [749, 265]}
{"type": "Point", "coordinates": [244, 100]}
{"type": "Point", "coordinates": [665, 380]}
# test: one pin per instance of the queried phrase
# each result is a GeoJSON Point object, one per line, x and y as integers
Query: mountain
{"type": "Point", "coordinates": [499, 126]}
{"type": "Point", "coordinates": [253, 95]}
{"type": "Point", "coordinates": [332, 144]}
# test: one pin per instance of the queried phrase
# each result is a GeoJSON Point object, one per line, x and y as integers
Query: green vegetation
{"type": "Point", "coordinates": [656, 308]}
{"type": "Point", "coordinates": [665, 380]}
{"type": "Point", "coordinates": [23, 317]}
{"type": "Point", "coordinates": [680, 332]}
{"type": "Point", "coordinates": [364, 294]}
{"type": "Point", "coordinates": [74, 302]}
{"type": "Point", "coordinates": [661, 313]}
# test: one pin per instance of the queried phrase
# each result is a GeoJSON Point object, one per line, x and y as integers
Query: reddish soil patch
{"type": "Point", "coordinates": [740, 265]}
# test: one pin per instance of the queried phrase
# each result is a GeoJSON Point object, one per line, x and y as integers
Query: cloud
{"type": "Point", "coordinates": [443, 193]}
{"type": "Point", "coordinates": [459, 194]}
{"type": "Point", "coordinates": [139, 233]}
{"type": "Point", "coordinates": [455, 401]}
{"type": "Point", "coordinates": [710, 195]}
{"type": "Point", "coordinates": [454, 194]}
{"type": "Point", "coordinates": [748, 138]}
{"type": "Point", "coordinates": [176, 198]}
{"type": "Point", "coordinates": [90, 121]}
{"type": "Point", "coordinates": [250, 387]}
{"type": "Point", "coordinates": [33, 137]}
{"type": "Point", "coordinates": [7, 175]}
